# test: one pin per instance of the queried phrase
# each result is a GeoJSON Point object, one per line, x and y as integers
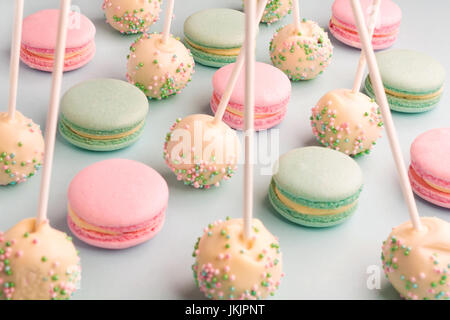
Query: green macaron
{"type": "Point", "coordinates": [215, 36]}
{"type": "Point", "coordinates": [413, 81]}
{"type": "Point", "coordinates": [103, 114]}
{"type": "Point", "coordinates": [315, 186]}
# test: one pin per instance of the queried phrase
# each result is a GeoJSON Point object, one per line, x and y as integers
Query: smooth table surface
{"type": "Point", "coordinates": [319, 263]}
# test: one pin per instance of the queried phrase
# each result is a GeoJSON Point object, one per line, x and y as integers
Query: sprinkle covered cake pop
{"type": "Point", "coordinates": [159, 70]}
{"type": "Point", "coordinates": [301, 54]}
{"type": "Point", "coordinates": [37, 263]}
{"type": "Point", "coordinates": [21, 148]}
{"type": "Point", "coordinates": [228, 267]}
{"type": "Point", "coordinates": [347, 121]}
{"type": "Point", "coordinates": [417, 262]}
{"type": "Point", "coordinates": [200, 151]}
{"type": "Point", "coordinates": [275, 10]}
{"type": "Point", "coordinates": [131, 16]}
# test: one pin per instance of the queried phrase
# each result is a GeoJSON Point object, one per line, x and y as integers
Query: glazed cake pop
{"type": "Point", "coordinates": [21, 148]}
{"type": "Point", "coordinates": [417, 262]}
{"type": "Point", "coordinates": [159, 70]}
{"type": "Point", "coordinates": [302, 54]}
{"type": "Point", "coordinates": [228, 267]}
{"type": "Point", "coordinates": [201, 152]}
{"type": "Point", "coordinates": [37, 263]}
{"type": "Point", "coordinates": [131, 16]}
{"type": "Point", "coordinates": [347, 121]}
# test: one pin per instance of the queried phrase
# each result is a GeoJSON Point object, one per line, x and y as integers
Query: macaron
{"type": "Point", "coordinates": [103, 114]}
{"type": "Point", "coordinates": [429, 171]}
{"type": "Point", "coordinates": [342, 23]}
{"type": "Point", "coordinates": [117, 203]}
{"type": "Point", "coordinates": [39, 40]}
{"type": "Point", "coordinates": [215, 36]}
{"type": "Point", "coordinates": [272, 93]}
{"type": "Point", "coordinates": [413, 80]}
{"type": "Point", "coordinates": [315, 186]}
{"type": "Point", "coordinates": [131, 16]}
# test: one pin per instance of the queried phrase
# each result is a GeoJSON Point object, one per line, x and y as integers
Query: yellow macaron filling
{"type": "Point", "coordinates": [412, 96]}
{"type": "Point", "coordinates": [312, 211]}
{"type": "Point", "coordinates": [86, 226]}
{"type": "Point", "coordinates": [218, 52]}
{"type": "Point", "coordinates": [341, 26]}
{"type": "Point", "coordinates": [51, 56]}
{"type": "Point", "coordinates": [107, 137]}
{"type": "Point", "coordinates": [435, 186]}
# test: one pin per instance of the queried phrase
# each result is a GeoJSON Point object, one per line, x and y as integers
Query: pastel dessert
{"type": "Point", "coordinates": [131, 16]}
{"type": "Point", "coordinates": [342, 23]}
{"type": "Point", "coordinates": [275, 10]}
{"type": "Point", "coordinates": [272, 93]}
{"type": "Point", "coordinates": [37, 263]}
{"type": "Point", "coordinates": [417, 263]}
{"type": "Point", "coordinates": [346, 121]}
{"type": "Point", "coordinates": [315, 186]}
{"type": "Point", "coordinates": [21, 149]}
{"type": "Point", "coordinates": [103, 114]}
{"type": "Point", "coordinates": [201, 153]}
{"type": "Point", "coordinates": [227, 267]}
{"type": "Point", "coordinates": [215, 36]}
{"type": "Point", "coordinates": [413, 81]}
{"type": "Point", "coordinates": [429, 172]}
{"type": "Point", "coordinates": [301, 55]}
{"type": "Point", "coordinates": [159, 70]}
{"type": "Point", "coordinates": [39, 40]}
{"type": "Point", "coordinates": [117, 204]}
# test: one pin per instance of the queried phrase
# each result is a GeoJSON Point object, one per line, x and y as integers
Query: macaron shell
{"type": "Point", "coordinates": [426, 192]}
{"type": "Point", "coordinates": [40, 28]}
{"type": "Point", "coordinates": [219, 28]}
{"type": "Point", "coordinates": [118, 193]}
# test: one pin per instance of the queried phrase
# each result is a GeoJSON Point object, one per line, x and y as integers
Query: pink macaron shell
{"type": "Point", "coordinates": [119, 195]}
{"type": "Point", "coordinates": [430, 156]}
{"type": "Point", "coordinates": [426, 192]}
{"type": "Point", "coordinates": [272, 115]}
{"type": "Point", "coordinates": [40, 28]}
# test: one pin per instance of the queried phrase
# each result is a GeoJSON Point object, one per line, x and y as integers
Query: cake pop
{"type": "Point", "coordinates": [131, 16]}
{"type": "Point", "coordinates": [347, 121]}
{"type": "Point", "coordinates": [200, 151]}
{"type": "Point", "coordinates": [37, 263]}
{"type": "Point", "coordinates": [275, 10]}
{"type": "Point", "coordinates": [228, 267]}
{"type": "Point", "coordinates": [159, 64]}
{"type": "Point", "coordinates": [302, 49]}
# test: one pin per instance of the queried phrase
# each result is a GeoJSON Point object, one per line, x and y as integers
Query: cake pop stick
{"type": "Point", "coordinates": [236, 71]}
{"type": "Point", "coordinates": [362, 59]}
{"type": "Point", "coordinates": [385, 111]}
{"type": "Point", "coordinates": [295, 8]}
{"type": "Point", "coordinates": [15, 55]}
{"type": "Point", "coordinates": [168, 21]}
{"type": "Point", "coordinates": [249, 114]}
{"type": "Point", "coordinates": [52, 117]}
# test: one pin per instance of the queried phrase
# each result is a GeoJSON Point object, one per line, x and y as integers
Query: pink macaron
{"type": "Point", "coordinates": [117, 203]}
{"type": "Point", "coordinates": [429, 172]}
{"type": "Point", "coordinates": [342, 23]}
{"type": "Point", "coordinates": [39, 40]}
{"type": "Point", "coordinates": [272, 93]}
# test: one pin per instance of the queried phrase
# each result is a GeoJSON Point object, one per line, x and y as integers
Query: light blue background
{"type": "Point", "coordinates": [319, 263]}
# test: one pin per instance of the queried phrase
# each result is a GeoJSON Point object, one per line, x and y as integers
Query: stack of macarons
{"type": "Point", "coordinates": [413, 81]}
{"type": "Point", "coordinates": [272, 93]}
{"type": "Point", "coordinates": [315, 186]}
{"type": "Point", "coordinates": [103, 114]}
{"type": "Point", "coordinates": [117, 203]}
{"type": "Point", "coordinates": [39, 40]}
{"type": "Point", "coordinates": [215, 36]}
{"type": "Point", "coordinates": [429, 171]}
{"type": "Point", "coordinates": [343, 27]}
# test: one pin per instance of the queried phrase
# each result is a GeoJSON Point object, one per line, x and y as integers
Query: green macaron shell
{"type": "Point", "coordinates": [208, 59]}
{"type": "Point", "coordinates": [404, 105]}
{"type": "Point", "coordinates": [410, 72]}
{"type": "Point", "coordinates": [219, 28]}
{"type": "Point", "coordinates": [103, 107]}
{"type": "Point", "coordinates": [308, 220]}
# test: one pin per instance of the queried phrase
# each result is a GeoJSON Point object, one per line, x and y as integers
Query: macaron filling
{"type": "Point", "coordinates": [423, 189]}
{"type": "Point", "coordinates": [434, 182]}
{"type": "Point", "coordinates": [215, 51]}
